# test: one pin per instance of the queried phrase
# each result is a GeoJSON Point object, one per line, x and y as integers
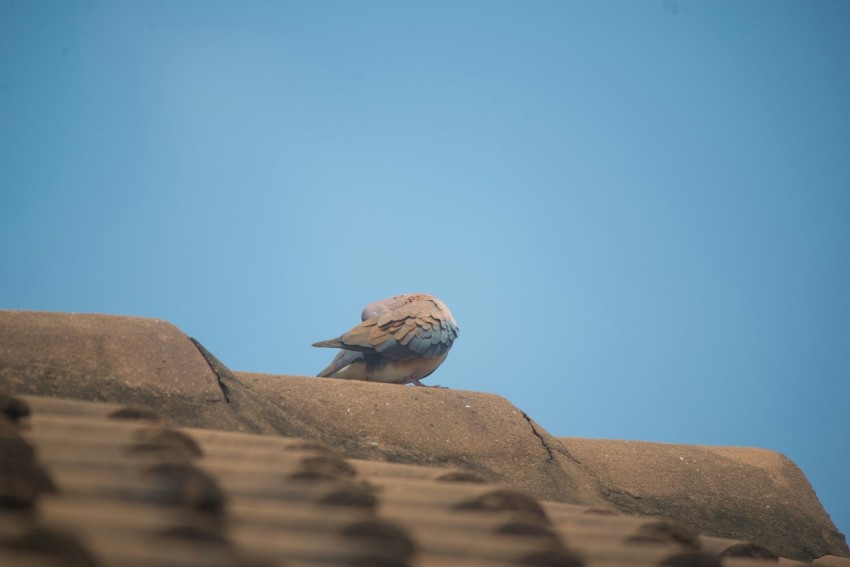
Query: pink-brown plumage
{"type": "Point", "coordinates": [401, 339]}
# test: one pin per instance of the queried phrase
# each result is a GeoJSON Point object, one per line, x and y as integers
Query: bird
{"type": "Point", "coordinates": [401, 340]}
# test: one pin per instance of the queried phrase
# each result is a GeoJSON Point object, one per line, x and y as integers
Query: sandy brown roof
{"type": "Point", "coordinates": [249, 469]}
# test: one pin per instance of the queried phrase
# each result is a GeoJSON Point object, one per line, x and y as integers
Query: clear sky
{"type": "Point", "coordinates": [639, 212]}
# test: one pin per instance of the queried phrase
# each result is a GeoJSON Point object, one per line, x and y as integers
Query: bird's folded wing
{"type": "Point", "coordinates": [418, 329]}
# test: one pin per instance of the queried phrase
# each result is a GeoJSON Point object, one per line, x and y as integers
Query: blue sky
{"type": "Point", "coordinates": [639, 212]}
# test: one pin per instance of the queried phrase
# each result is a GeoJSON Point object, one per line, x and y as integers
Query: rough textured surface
{"type": "Point", "coordinates": [730, 492]}
{"type": "Point", "coordinates": [735, 493]}
{"type": "Point", "coordinates": [832, 561]}
{"type": "Point", "coordinates": [481, 433]}
{"type": "Point", "coordinates": [129, 492]}
{"type": "Point", "coordinates": [130, 360]}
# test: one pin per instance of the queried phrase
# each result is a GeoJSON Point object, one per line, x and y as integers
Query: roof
{"type": "Point", "coordinates": [141, 448]}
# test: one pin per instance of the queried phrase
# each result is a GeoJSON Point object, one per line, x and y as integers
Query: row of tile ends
{"type": "Point", "coordinates": [85, 484]}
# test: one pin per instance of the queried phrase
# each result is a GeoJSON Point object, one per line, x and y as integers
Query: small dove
{"type": "Point", "coordinates": [400, 341]}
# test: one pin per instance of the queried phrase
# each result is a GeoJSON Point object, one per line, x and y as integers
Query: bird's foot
{"type": "Point", "coordinates": [416, 382]}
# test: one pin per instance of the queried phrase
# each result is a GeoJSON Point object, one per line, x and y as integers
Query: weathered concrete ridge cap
{"type": "Point", "coordinates": [115, 355]}
{"type": "Point", "coordinates": [136, 361]}
{"type": "Point", "coordinates": [731, 492]}
{"type": "Point", "coordinates": [480, 433]}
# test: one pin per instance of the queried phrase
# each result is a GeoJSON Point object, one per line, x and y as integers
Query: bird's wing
{"type": "Point", "coordinates": [422, 328]}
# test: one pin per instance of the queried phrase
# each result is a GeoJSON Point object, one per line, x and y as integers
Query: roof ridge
{"type": "Point", "coordinates": [144, 368]}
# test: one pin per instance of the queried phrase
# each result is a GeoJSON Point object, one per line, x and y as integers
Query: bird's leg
{"type": "Point", "coordinates": [415, 381]}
